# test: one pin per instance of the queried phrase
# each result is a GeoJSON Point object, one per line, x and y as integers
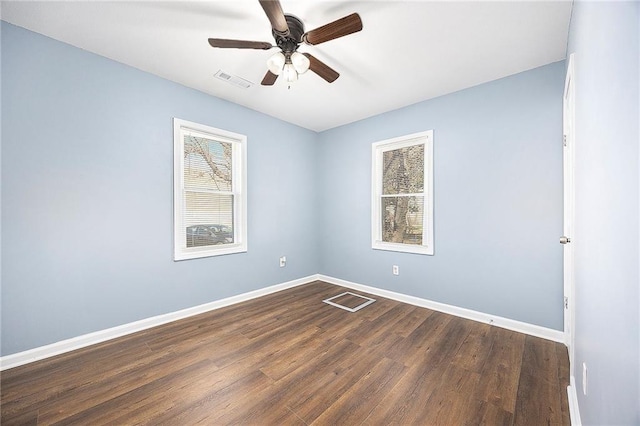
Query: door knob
{"type": "Point", "coordinates": [565, 240]}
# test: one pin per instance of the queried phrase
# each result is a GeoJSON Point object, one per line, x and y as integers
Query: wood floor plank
{"type": "Point", "coordinates": [490, 415]}
{"type": "Point", "coordinates": [538, 399]}
{"type": "Point", "coordinates": [411, 350]}
{"type": "Point", "coordinates": [446, 343]}
{"type": "Point", "coordinates": [213, 405]}
{"type": "Point", "coordinates": [450, 403]}
{"type": "Point", "coordinates": [350, 369]}
{"type": "Point", "coordinates": [287, 358]}
{"type": "Point", "coordinates": [313, 378]}
{"type": "Point", "coordinates": [296, 357]}
{"type": "Point", "coordinates": [411, 320]}
{"type": "Point", "coordinates": [370, 330]}
{"type": "Point", "coordinates": [270, 415]}
{"type": "Point", "coordinates": [75, 382]}
{"type": "Point", "coordinates": [474, 351]}
{"type": "Point", "coordinates": [406, 397]}
{"type": "Point", "coordinates": [157, 393]}
{"type": "Point", "coordinates": [356, 404]}
{"type": "Point", "coordinates": [277, 342]}
{"type": "Point", "coordinates": [562, 356]}
{"type": "Point", "coordinates": [501, 371]}
{"type": "Point", "coordinates": [24, 418]}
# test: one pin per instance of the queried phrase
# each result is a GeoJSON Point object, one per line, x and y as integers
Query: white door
{"type": "Point", "coordinates": [568, 142]}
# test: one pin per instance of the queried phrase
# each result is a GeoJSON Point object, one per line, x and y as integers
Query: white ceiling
{"type": "Point", "coordinates": [407, 52]}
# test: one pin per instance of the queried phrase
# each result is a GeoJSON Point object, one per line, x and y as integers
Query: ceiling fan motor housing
{"type": "Point", "coordinates": [290, 43]}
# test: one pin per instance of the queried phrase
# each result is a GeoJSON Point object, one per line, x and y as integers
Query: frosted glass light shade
{"type": "Point", "coordinates": [276, 63]}
{"type": "Point", "coordinates": [289, 72]}
{"type": "Point", "coordinates": [300, 62]}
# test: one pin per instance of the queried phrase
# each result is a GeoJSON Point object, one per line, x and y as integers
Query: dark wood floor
{"type": "Point", "coordinates": [288, 358]}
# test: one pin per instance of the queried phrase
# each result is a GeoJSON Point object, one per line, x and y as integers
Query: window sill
{"type": "Point", "coordinates": [405, 248]}
{"type": "Point", "coordinates": [199, 252]}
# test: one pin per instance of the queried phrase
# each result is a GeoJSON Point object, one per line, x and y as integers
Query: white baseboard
{"type": "Point", "coordinates": [509, 324]}
{"type": "Point", "coordinates": [57, 348]}
{"type": "Point", "coordinates": [574, 410]}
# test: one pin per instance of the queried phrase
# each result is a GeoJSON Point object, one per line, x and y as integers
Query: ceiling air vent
{"type": "Point", "coordinates": [233, 79]}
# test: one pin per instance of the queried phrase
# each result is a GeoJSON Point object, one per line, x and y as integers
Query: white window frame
{"type": "Point", "coordinates": [239, 190]}
{"type": "Point", "coordinates": [377, 151]}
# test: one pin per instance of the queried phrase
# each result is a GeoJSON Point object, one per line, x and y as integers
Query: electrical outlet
{"type": "Point", "coordinates": [283, 261]}
{"type": "Point", "coordinates": [396, 270]}
{"type": "Point", "coordinates": [584, 378]}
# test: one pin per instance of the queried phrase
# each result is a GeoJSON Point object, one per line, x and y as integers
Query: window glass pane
{"type": "Point", "coordinates": [207, 164]}
{"type": "Point", "coordinates": [402, 219]}
{"type": "Point", "coordinates": [403, 170]}
{"type": "Point", "coordinates": [208, 218]}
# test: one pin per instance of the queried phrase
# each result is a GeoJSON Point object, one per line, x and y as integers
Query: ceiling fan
{"type": "Point", "coordinates": [288, 32]}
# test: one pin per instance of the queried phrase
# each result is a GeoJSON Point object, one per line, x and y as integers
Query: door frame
{"type": "Point", "coordinates": [568, 172]}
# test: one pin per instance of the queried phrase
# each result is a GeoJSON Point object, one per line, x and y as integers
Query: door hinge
{"type": "Point", "coordinates": [564, 140]}
{"type": "Point", "coordinates": [566, 302]}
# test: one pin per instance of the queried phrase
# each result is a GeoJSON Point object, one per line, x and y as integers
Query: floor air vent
{"type": "Point", "coordinates": [349, 301]}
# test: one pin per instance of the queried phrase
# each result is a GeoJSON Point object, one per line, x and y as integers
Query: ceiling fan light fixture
{"type": "Point", "coordinates": [276, 63]}
{"type": "Point", "coordinates": [288, 33]}
{"type": "Point", "coordinates": [300, 62]}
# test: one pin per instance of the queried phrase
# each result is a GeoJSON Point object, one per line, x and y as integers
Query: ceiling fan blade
{"type": "Point", "coordinates": [239, 44]}
{"type": "Point", "coordinates": [344, 26]}
{"type": "Point", "coordinates": [322, 69]}
{"type": "Point", "coordinates": [269, 79]}
{"type": "Point", "coordinates": [274, 12]}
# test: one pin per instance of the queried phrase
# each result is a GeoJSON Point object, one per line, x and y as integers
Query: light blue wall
{"type": "Point", "coordinates": [498, 199]}
{"type": "Point", "coordinates": [87, 156]}
{"type": "Point", "coordinates": [605, 40]}
{"type": "Point", "coordinates": [87, 198]}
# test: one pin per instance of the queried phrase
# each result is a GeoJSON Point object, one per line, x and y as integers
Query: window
{"type": "Point", "coordinates": [210, 192]}
{"type": "Point", "coordinates": [402, 188]}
